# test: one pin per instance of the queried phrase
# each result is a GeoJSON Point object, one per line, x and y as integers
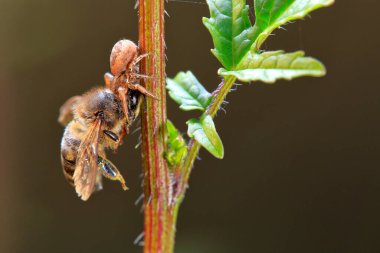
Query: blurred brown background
{"type": "Point", "coordinates": [301, 171]}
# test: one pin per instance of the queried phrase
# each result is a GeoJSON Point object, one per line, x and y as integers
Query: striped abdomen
{"type": "Point", "coordinates": [69, 149]}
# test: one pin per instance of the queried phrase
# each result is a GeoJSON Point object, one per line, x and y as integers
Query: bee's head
{"type": "Point", "coordinates": [99, 104]}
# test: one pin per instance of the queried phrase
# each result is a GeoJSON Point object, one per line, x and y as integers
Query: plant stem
{"type": "Point", "coordinates": [158, 227]}
{"type": "Point", "coordinates": [218, 97]}
{"type": "Point", "coordinates": [160, 214]}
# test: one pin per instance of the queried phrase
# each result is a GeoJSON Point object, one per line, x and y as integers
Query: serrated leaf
{"type": "Point", "coordinates": [176, 146]}
{"type": "Point", "coordinates": [270, 66]}
{"type": "Point", "coordinates": [229, 25]}
{"type": "Point", "coordinates": [188, 92]}
{"type": "Point", "coordinates": [234, 37]}
{"type": "Point", "coordinates": [203, 130]}
{"type": "Point", "coordinates": [271, 14]}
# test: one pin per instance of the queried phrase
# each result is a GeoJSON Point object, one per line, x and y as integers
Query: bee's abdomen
{"type": "Point", "coordinates": [69, 150]}
{"type": "Point", "coordinates": [68, 169]}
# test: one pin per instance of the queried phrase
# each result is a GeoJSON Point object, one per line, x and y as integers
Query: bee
{"type": "Point", "coordinates": [99, 119]}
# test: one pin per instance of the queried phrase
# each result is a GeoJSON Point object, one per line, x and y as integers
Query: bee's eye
{"type": "Point", "coordinates": [133, 100]}
{"type": "Point", "coordinates": [99, 114]}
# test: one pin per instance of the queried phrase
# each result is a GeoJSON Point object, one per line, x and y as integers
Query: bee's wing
{"type": "Point", "coordinates": [66, 113]}
{"type": "Point", "coordinates": [87, 162]}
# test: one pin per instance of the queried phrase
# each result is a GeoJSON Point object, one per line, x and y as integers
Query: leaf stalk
{"type": "Point", "coordinates": [219, 96]}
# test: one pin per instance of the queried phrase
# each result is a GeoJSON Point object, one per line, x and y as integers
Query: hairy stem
{"type": "Point", "coordinates": [158, 227]}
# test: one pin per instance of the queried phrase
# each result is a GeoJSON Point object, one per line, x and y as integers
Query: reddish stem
{"type": "Point", "coordinates": [159, 228]}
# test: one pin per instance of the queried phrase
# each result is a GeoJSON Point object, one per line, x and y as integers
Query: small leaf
{"type": "Point", "coordinates": [177, 149]}
{"type": "Point", "coordinates": [229, 25]}
{"type": "Point", "coordinates": [203, 130]}
{"type": "Point", "coordinates": [188, 92]}
{"type": "Point", "coordinates": [270, 66]}
{"type": "Point", "coordinates": [271, 14]}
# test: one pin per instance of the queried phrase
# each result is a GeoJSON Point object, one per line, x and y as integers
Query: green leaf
{"type": "Point", "coordinates": [271, 14]}
{"type": "Point", "coordinates": [233, 35]}
{"type": "Point", "coordinates": [270, 66]}
{"type": "Point", "coordinates": [203, 130]}
{"type": "Point", "coordinates": [229, 25]}
{"type": "Point", "coordinates": [176, 150]}
{"type": "Point", "coordinates": [188, 92]}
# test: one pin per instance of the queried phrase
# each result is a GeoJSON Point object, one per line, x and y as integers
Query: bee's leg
{"type": "Point", "coordinates": [142, 90]}
{"type": "Point", "coordinates": [115, 145]}
{"type": "Point", "coordinates": [66, 111]}
{"type": "Point", "coordinates": [109, 170]}
{"type": "Point", "coordinates": [99, 177]}
{"type": "Point", "coordinates": [113, 140]}
{"type": "Point", "coordinates": [113, 136]}
{"type": "Point", "coordinates": [99, 181]}
{"type": "Point", "coordinates": [108, 79]}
